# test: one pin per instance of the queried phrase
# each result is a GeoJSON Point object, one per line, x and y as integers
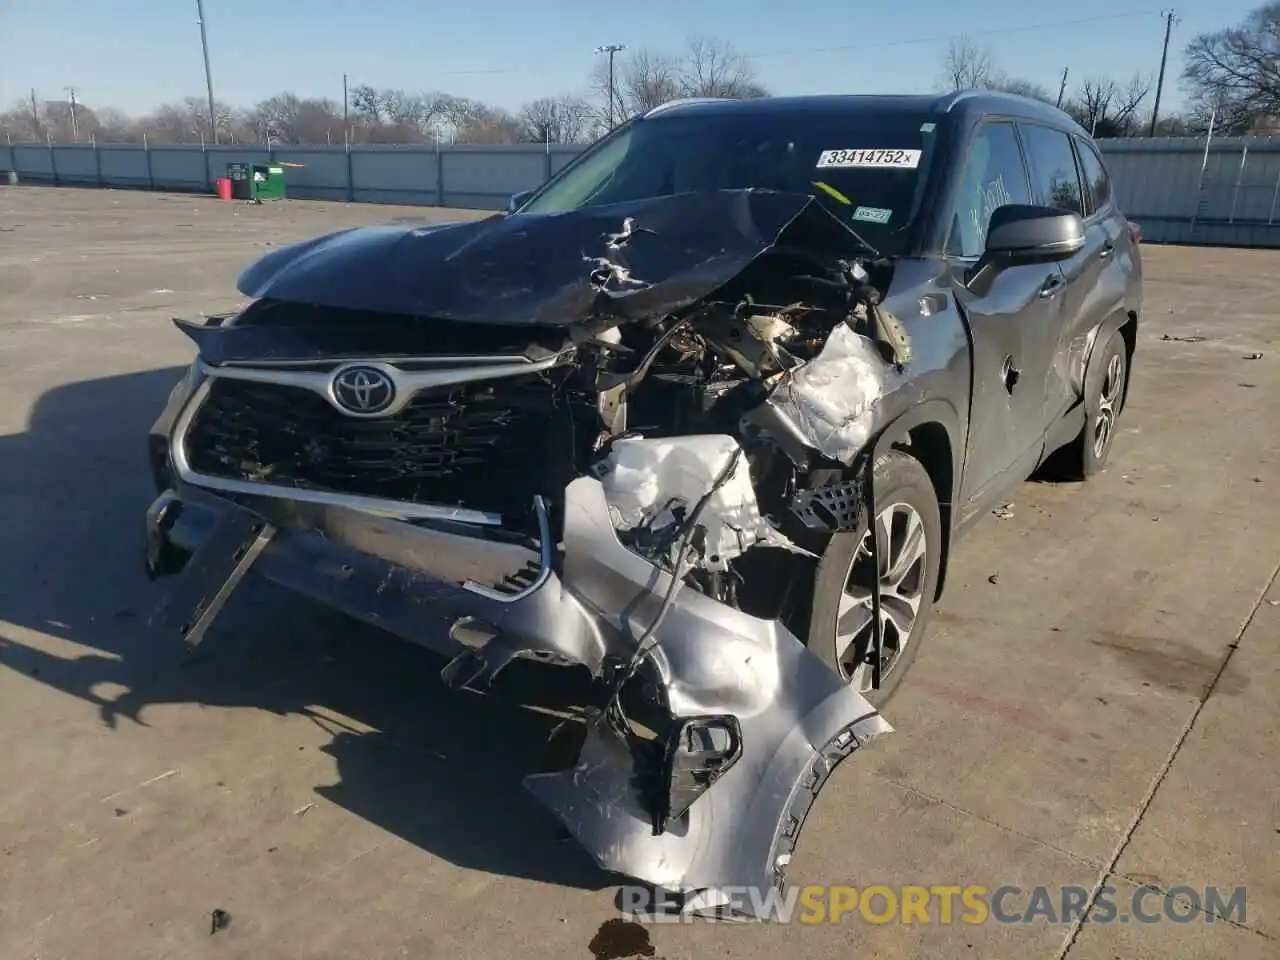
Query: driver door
{"type": "Point", "coordinates": [1006, 323]}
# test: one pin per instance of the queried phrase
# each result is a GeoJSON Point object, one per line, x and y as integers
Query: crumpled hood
{"type": "Point", "coordinates": [624, 260]}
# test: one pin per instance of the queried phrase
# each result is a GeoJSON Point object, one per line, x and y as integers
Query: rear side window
{"type": "Point", "coordinates": [1053, 167]}
{"type": "Point", "coordinates": [1095, 174]}
{"type": "Point", "coordinates": [994, 175]}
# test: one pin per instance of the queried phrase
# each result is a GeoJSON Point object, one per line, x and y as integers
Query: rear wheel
{"type": "Point", "coordinates": [909, 541]}
{"type": "Point", "coordinates": [1104, 397]}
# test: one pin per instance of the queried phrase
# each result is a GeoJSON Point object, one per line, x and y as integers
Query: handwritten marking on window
{"type": "Point", "coordinates": [995, 194]}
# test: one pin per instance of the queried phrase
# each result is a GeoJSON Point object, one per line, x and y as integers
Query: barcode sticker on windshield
{"type": "Point", "coordinates": [908, 159]}
{"type": "Point", "coordinates": [873, 214]}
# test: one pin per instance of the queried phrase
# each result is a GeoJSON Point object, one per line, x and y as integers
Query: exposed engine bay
{"type": "Point", "coordinates": [655, 475]}
{"type": "Point", "coordinates": [674, 397]}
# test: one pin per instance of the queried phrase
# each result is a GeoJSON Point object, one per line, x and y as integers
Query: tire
{"type": "Point", "coordinates": [905, 501]}
{"type": "Point", "coordinates": [1104, 385]}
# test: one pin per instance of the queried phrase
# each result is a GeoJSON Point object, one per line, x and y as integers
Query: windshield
{"type": "Point", "coordinates": [868, 169]}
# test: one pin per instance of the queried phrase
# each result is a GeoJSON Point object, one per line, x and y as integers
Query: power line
{"type": "Point", "coordinates": [848, 47]}
{"type": "Point", "coordinates": [944, 37]}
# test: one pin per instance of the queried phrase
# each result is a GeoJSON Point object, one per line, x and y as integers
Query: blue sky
{"type": "Point", "coordinates": [135, 54]}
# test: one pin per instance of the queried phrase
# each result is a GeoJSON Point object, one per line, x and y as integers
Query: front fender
{"type": "Point", "coordinates": [739, 836]}
{"type": "Point", "coordinates": [797, 721]}
{"type": "Point", "coordinates": [936, 410]}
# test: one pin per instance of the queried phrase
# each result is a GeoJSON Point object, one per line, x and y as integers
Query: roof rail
{"type": "Point", "coordinates": [663, 107]}
{"type": "Point", "coordinates": [956, 96]}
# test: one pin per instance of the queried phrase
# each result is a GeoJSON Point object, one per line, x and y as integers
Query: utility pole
{"type": "Point", "coordinates": [35, 115]}
{"type": "Point", "coordinates": [1169, 19]}
{"type": "Point", "coordinates": [1062, 87]}
{"type": "Point", "coordinates": [612, 49]}
{"type": "Point", "coordinates": [75, 125]}
{"type": "Point", "coordinates": [346, 116]}
{"type": "Point", "coordinates": [208, 74]}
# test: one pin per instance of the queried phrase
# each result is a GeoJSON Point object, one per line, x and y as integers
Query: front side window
{"type": "Point", "coordinates": [1053, 167]}
{"type": "Point", "coordinates": [869, 169]}
{"type": "Point", "coordinates": [993, 176]}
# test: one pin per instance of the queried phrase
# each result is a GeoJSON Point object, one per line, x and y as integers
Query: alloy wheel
{"type": "Point", "coordinates": [903, 548]}
{"type": "Point", "coordinates": [1108, 406]}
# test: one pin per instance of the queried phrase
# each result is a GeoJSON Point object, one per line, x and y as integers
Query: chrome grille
{"type": "Point", "coordinates": [482, 445]}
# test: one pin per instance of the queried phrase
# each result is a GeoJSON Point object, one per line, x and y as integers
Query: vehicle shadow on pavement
{"type": "Point", "coordinates": [439, 768]}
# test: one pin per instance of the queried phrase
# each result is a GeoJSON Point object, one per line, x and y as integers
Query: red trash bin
{"type": "Point", "coordinates": [223, 187]}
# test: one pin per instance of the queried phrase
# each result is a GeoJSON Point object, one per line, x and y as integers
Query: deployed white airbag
{"type": "Point", "coordinates": [651, 483]}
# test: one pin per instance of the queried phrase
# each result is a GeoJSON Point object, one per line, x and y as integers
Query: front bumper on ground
{"type": "Point", "coordinates": [483, 600]}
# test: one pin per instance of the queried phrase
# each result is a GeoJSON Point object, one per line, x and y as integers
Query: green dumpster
{"type": "Point", "coordinates": [256, 181]}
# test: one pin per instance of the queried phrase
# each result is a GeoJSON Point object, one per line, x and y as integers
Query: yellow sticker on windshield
{"type": "Point", "coordinates": [832, 192]}
{"type": "Point", "coordinates": [903, 159]}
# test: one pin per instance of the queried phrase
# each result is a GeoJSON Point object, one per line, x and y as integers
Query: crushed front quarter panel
{"type": "Point", "coordinates": [797, 720]}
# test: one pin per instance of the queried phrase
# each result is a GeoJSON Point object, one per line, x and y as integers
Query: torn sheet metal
{"type": "Point", "coordinates": [553, 270]}
{"type": "Point", "coordinates": [651, 484]}
{"type": "Point", "coordinates": [796, 717]}
{"type": "Point", "coordinates": [793, 717]}
{"type": "Point", "coordinates": [829, 403]}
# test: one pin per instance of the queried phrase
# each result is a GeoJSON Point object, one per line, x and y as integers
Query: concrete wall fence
{"type": "Point", "coordinates": [1176, 189]}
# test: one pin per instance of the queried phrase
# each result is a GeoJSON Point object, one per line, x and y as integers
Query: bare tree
{"type": "Point", "coordinates": [287, 118]}
{"type": "Point", "coordinates": [170, 123]}
{"type": "Point", "coordinates": [19, 123]}
{"type": "Point", "coordinates": [966, 65]}
{"type": "Point", "coordinates": [564, 119]}
{"type": "Point", "coordinates": [404, 116]}
{"type": "Point", "coordinates": [187, 121]}
{"type": "Point", "coordinates": [116, 126]}
{"type": "Point", "coordinates": [1092, 103]}
{"type": "Point", "coordinates": [713, 68]}
{"type": "Point", "coordinates": [366, 105]}
{"type": "Point", "coordinates": [1128, 100]}
{"type": "Point", "coordinates": [649, 78]}
{"type": "Point", "coordinates": [642, 81]}
{"type": "Point", "coordinates": [1023, 88]}
{"type": "Point", "coordinates": [1178, 125]}
{"type": "Point", "coordinates": [1106, 109]}
{"type": "Point", "coordinates": [489, 125]}
{"type": "Point", "coordinates": [1237, 71]}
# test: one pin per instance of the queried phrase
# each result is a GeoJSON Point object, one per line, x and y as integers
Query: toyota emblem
{"type": "Point", "coordinates": [363, 390]}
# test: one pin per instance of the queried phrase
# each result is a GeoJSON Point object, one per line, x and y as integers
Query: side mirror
{"type": "Point", "coordinates": [1039, 234]}
{"type": "Point", "coordinates": [518, 200]}
{"type": "Point", "coordinates": [1021, 234]}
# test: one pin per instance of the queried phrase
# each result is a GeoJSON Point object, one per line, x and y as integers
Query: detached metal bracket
{"type": "Point", "coordinates": [212, 575]}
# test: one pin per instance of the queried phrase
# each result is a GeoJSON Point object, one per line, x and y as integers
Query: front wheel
{"type": "Point", "coordinates": [909, 541]}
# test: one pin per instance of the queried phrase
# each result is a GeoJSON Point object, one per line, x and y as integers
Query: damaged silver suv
{"type": "Point", "coordinates": [705, 414]}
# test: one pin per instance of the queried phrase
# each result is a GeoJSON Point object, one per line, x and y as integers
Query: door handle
{"type": "Point", "coordinates": [1107, 250]}
{"type": "Point", "coordinates": [1049, 289]}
